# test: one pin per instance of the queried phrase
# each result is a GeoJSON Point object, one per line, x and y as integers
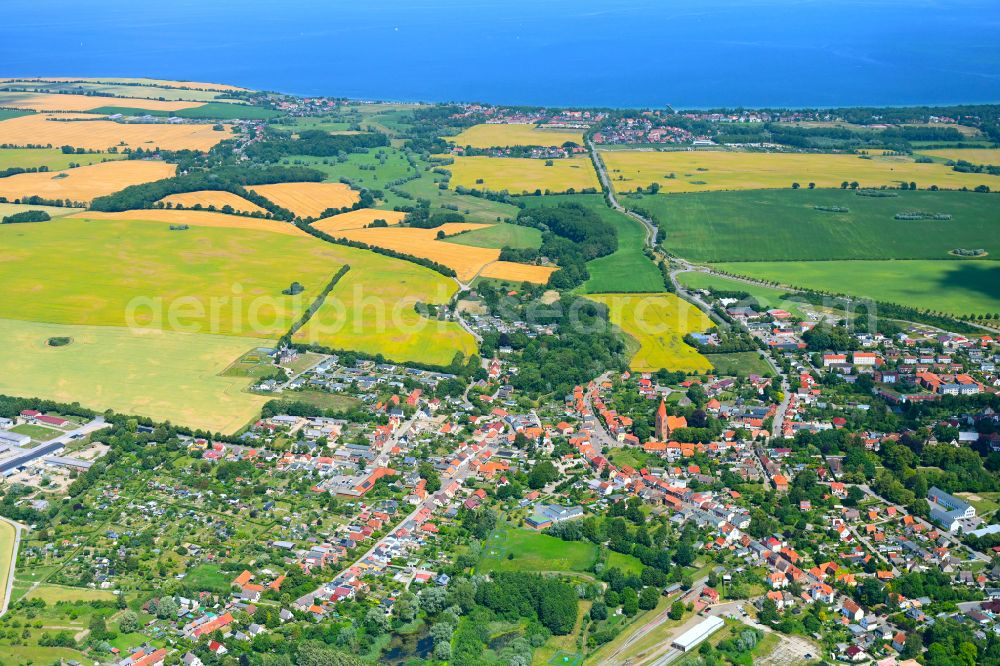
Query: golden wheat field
{"type": "Point", "coordinates": [308, 199]}
{"type": "Point", "coordinates": [156, 83]}
{"type": "Point", "coordinates": [58, 102]}
{"type": "Point", "coordinates": [515, 272]}
{"type": "Point", "coordinates": [357, 219]}
{"type": "Point", "coordinates": [702, 171]}
{"type": "Point", "coordinates": [195, 218]}
{"type": "Point", "coordinates": [496, 135]}
{"type": "Point", "coordinates": [86, 182]}
{"type": "Point", "coordinates": [520, 175]}
{"type": "Point", "coordinates": [466, 261]}
{"type": "Point", "coordinates": [82, 131]}
{"type": "Point", "coordinates": [217, 198]}
{"type": "Point", "coordinates": [971, 155]}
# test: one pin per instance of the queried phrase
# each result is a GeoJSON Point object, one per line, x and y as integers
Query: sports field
{"type": "Point", "coordinates": [771, 225]}
{"type": "Point", "coordinates": [953, 286]}
{"type": "Point", "coordinates": [971, 155]}
{"type": "Point", "coordinates": [308, 199]}
{"type": "Point", "coordinates": [499, 236]}
{"type": "Point", "coordinates": [496, 135]}
{"type": "Point", "coordinates": [84, 183]}
{"type": "Point", "coordinates": [357, 219]}
{"type": "Point", "coordinates": [702, 171]}
{"type": "Point", "coordinates": [658, 323]}
{"type": "Point", "coordinates": [82, 131]}
{"type": "Point", "coordinates": [522, 175]}
{"type": "Point", "coordinates": [156, 374]}
{"type": "Point", "coordinates": [69, 102]}
{"type": "Point", "coordinates": [195, 218]}
{"type": "Point", "coordinates": [53, 158]}
{"type": "Point", "coordinates": [217, 198]}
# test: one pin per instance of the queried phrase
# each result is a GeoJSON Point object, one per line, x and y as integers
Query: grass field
{"type": "Point", "coordinates": [534, 551]}
{"type": "Point", "coordinates": [64, 102]}
{"type": "Point", "coordinates": [53, 594]}
{"type": "Point", "coordinates": [985, 503]}
{"type": "Point", "coordinates": [956, 287]}
{"type": "Point", "coordinates": [196, 111]}
{"type": "Point", "coordinates": [740, 364]}
{"type": "Point", "coordinates": [308, 199]}
{"type": "Point", "coordinates": [777, 225]}
{"type": "Point", "coordinates": [767, 296]}
{"type": "Point", "coordinates": [53, 211]}
{"type": "Point", "coordinates": [323, 400]}
{"type": "Point", "coordinates": [499, 236]}
{"type": "Point", "coordinates": [7, 538]}
{"type": "Point", "coordinates": [626, 563]}
{"type": "Point", "coordinates": [701, 171]}
{"type": "Point", "coordinates": [523, 175]}
{"type": "Point", "coordinates": [658, 323]}
{"type": "Point", "coordinates": [371, 169]}
{"type": "Point", "coordinates": [161, 375]}
{"type": "Point", "coordinates": [971, 155]}
{"type": "Point", "coordinates": [194, 218]}
{"type": "Point", "coordinates": [86, 182]}
{"type": "Point", "coordinates": [53, 158]}
{"type": "Point", "coordinates": [357, 219]}
{"type": "Point", "coordinates": [210, 577]}
{"type": "Point", "coordinates": [81, 131]}
{"type": "Point", "coordinates": [35, 432]}
{"type": "Point", "coordinates": [494, 135]}
{"type": "Point", "coordinates": [216, 198]}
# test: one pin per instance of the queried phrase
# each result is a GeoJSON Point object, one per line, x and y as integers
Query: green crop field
{"type": "Point", "coordinates": [209, 111]}
{"type": "Point", "coordinates": [500, 236]}
{"type": "Point", "coordinates": [953, 286]}
{"type": "Point", "coordinates": [371, 169]}
{"type": "Point", "coordinates": [163, 375]}
{"type": "Point", "coordinates": [534, 551]}
{"type": "Point", "coordinates": [777, 225]}
{"type": "Point", "coordinates": [53, 158]}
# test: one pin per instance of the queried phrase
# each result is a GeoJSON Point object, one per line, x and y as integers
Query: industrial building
{"type": "Point", "coordinates": [695, 635]}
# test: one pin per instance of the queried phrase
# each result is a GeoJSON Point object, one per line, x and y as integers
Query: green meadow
{"type": "Point", "coordinates": [52, 158]}
{"type": "Point", "coordinates": [519, 549]}
{"type": "Point", "coordinates": [500, 236]}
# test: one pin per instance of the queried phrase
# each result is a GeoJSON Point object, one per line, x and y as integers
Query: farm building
{"type": "Point", "coordinates": [692, 637]}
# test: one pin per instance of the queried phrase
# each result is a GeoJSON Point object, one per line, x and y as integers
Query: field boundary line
{"type": "Point", "coordinates": [286, 339]}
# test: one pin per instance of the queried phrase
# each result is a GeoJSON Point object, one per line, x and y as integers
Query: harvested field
{"type": "Point", "coordinates": [971, 155]}
{"type": "Point", "coordinates": [86, 182]}
{"type": "Point", "coordinates": [155, 83]}
{"type": "Point", "coordinates": [523, 175]}
{"type": "Point", "coordinates": [467, 261]}
{"type": "Point", "coordinates": [308, 199]}
{"type": "Point", "coordinates": [196, 218]}
{"type": "Point", "coordinates": [70, 102]}
{"type": "Point", "coordinates": [514, 272]}
{"type": "Point", "coordinates": [357, 219]}
{"type": "Point", "coordinates": [702, 171]}
{"type": "Point", "coordinates": [494, 135]}
{"type": "Point", "coordinates": [53, 211]}
{"type": "Point", "coordinates": [216, 198]}
{"type": "Point", "coordinates": [82, 131]}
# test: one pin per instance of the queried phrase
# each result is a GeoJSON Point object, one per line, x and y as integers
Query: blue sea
{"type": "Point", "coordinates": [624, 53]}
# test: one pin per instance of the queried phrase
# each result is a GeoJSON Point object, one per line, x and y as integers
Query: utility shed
{"type": "Point", "coordinates": [695, 635]}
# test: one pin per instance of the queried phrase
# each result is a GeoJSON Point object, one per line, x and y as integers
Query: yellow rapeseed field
{"type": "Point", "coordinates": [86, 182]}
{"type": "Point", "coordinates": [82, 131]}
{"type": "Point", "coordinates": [523, 175]}
{"type": "Point", "coordinates": [515, 272]}
{"type": "Point", "coordinates": [356, 219]}
{"type": "Point", "coordinates": [217, 198]}
{"type": "Point", "coordinates": [495, 135]}
{"type": "Point", "coordinates": [308, 199]}
{"type": "Point", "coordinates": [57, 102]}
{"type": "Point", "coordinates": [196, 218]}
{"type": "Point", "coordinates": [702, 171]}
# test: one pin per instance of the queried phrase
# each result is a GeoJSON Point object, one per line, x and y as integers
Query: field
{"type": "Point", "coordinates": [35, 432]}
{"type": "Point", "coordinates": [371, 169]}
{"type": "Point", "coordinates": [372, 310]}
{"type": "Point", "coordinates": [534, 551]}
{"type": "Point", "coordinates": [216, 198]}
{"type": "Point", "coordinates": [195, 218]}
{"type": "Point", "coordinates": [86, 182]}
{"type": "Point", "coordinates": [135, 81]}
{"type": "Point", "coordinates": [197, 110]}
{"type": "Point", "coordinates": [7, 538]}
{"type": "Point", "coordinates": [324, 400]}
{"type": "Point", "coordinates": [357, 219]}
{"type": "Point", "coordinates": [971, 155]}
{"type": "Point", "coordinates": [161, 375]}
{"type": "Point", "coordinates": [68, 102]}
{"type": "Point", "coordinates": [782, 224]}
{"type": "Point", "coordinates": [510, 271]}
{"type": "Point", "coordinates": [53, 594]}
{"type": "Point", "coordinates": [308, 199]}
{"type": "Point", "coordinates": [767, 297]}
{"type": "Point", "coordinates": [53, 211]}
{"type": "Point", "coordinates": [956, 286]}
{"type": "Point", "coordinates": [499, 236]}
{"type": "Point", "coordinates": [82, 131]}
{"type": "Point", "coordinates": [626, 563]}
{"type": "Point", "coordinates": [523, 175]}
{"type": "Point", "coordinates": [494, 135]}
{"type": "Point", "coordinates": [702, 171]}
{"type": "Point", "coordinates": [740, 364]}
{"type": "Point", "coordinates": [204, 279]}
{"type": "Point", "coordinates": [658, 323]}
{"type": "Point", "coordinates": [53, 158]}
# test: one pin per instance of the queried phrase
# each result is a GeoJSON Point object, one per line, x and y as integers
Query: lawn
{"type": "Point", "coordinates": [985, 503]}
{"type": "Point", "coordinates": [779, 225]}
{"type": "Point", "coordinates": [210, 578]}
{"type": "Point", "coordinates": [523, 175]}
{"type": "Point", "coordinates": [163, 375]}
{"type": "Point", "coordinates": [702, 171]}
{"type": "Point", "coordinates": [53, 158]}
{"type": "Point", "coordinates": [658, 323]}
{"type": "Point", "coordinates": [534, 551]}
{"type": "Point", "coordinates": [740, 364]}
{"type": "Point", "coordinates": [7, 538]}
{"type": "Point", "coordinates": [501, 136]}
{"type": "Point", "coordinates": [500, 236]}
{"type": "Point", "coordinates": [628, 269]}
{"type": "Point", "coordinates": [37, 433]}
{"type": "Point", "coordinates": [957, 287]}
{"type": "Point", "coordinates": [626, 563]}
{"type": "Point", "coordinates": [323, 400]}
